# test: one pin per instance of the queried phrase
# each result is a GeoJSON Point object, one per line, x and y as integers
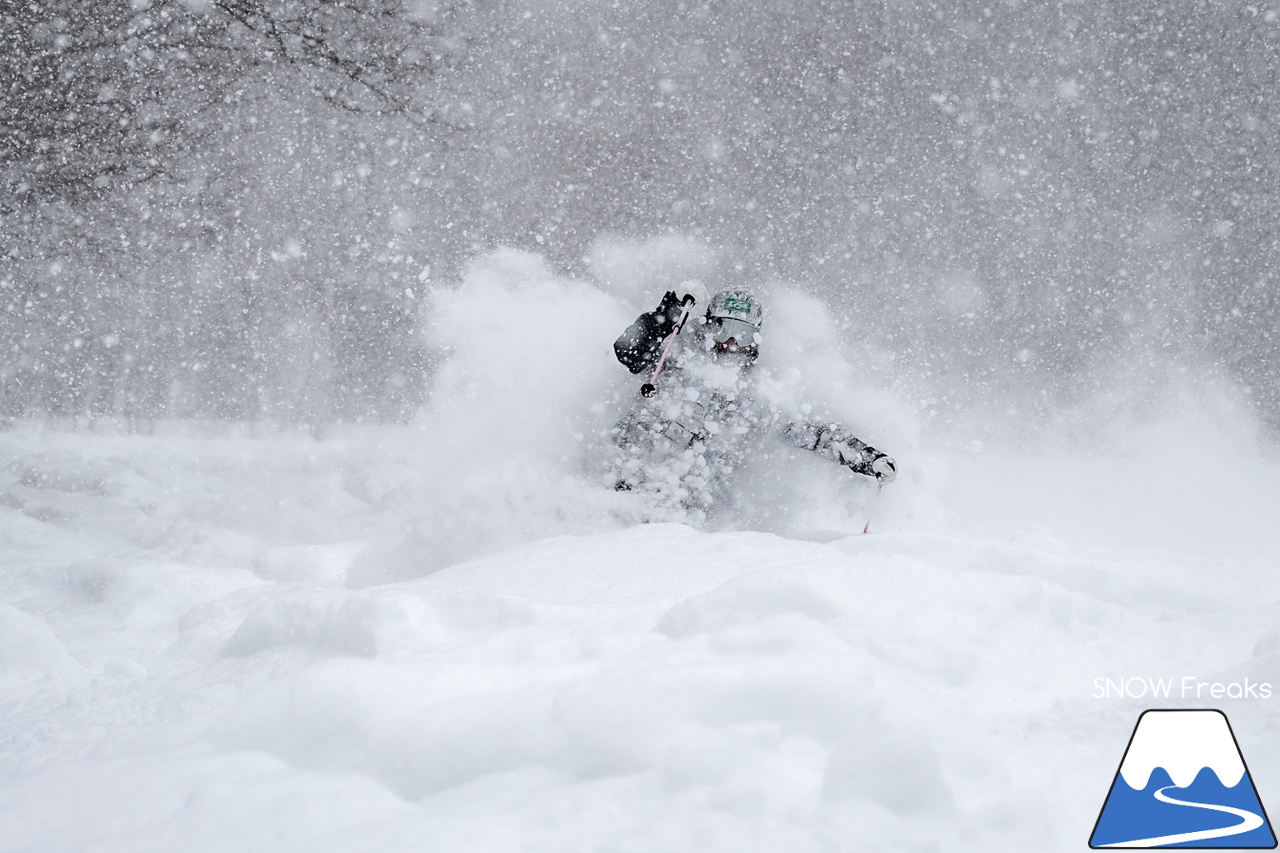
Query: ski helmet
{"type": "Point", "coordinates": [738, 315]}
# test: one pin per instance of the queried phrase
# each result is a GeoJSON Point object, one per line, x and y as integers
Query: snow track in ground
{"type": "Point", "coordinates": [196, 653]}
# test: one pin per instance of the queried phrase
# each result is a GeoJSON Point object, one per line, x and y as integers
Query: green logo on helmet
{"type": "Point", "coordinates": [740, 306]}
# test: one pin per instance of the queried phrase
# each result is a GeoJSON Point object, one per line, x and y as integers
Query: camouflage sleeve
{"type": "Point", "coordinates": [833, 442]}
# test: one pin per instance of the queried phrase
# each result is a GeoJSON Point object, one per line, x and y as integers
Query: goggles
{"type": "Point", "coordinates": [722, 328]}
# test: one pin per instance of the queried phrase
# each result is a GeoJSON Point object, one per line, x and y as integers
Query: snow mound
{"type": "Point", "coordinates": [30, 652]}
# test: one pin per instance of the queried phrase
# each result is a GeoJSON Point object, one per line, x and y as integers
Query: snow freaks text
{"type": "Point", "coordinates": [1186, 687]}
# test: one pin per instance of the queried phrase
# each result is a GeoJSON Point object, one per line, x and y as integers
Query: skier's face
{"type": "Point", "coordinates": [731, 336]}
{"type": "Point", "coordinates": [729, 352]}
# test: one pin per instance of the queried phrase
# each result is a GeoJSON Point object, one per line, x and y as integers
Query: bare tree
{"type": "Point", "coordinates": [95, 94]}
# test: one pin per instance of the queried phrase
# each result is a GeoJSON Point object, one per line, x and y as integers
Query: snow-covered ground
{"type": "Point", "coordinates": [191, 658]}
{"type": "Point", "coordinates": [441, 638]}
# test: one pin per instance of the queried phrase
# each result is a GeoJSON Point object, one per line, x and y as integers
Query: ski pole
{"type": "Point", "coordinates": [649, 388]}
{"type": "Point", "coordinates": [866, 528]}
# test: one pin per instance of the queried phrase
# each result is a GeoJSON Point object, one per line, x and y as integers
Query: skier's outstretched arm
{"type": "Point", "coordinates": [639, 346]}
{"type": "Point", "coordinates": [833, 442]}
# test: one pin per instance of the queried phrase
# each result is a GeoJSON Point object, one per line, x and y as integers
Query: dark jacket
{"type": "Point", "coordinates": [640, 346]}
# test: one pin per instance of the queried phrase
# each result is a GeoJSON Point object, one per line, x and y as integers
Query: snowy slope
{"type": "Point", "coordinates": [454, 636]}
{"type": "Point", "coordinates": [190, 661]}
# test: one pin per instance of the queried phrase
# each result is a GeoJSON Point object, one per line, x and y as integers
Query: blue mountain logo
{"type": "Point", "coordinates": [1183, 783]}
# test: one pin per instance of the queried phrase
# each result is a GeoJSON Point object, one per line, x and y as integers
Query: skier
{"type": "Point", "coordinates": [698, 411]}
